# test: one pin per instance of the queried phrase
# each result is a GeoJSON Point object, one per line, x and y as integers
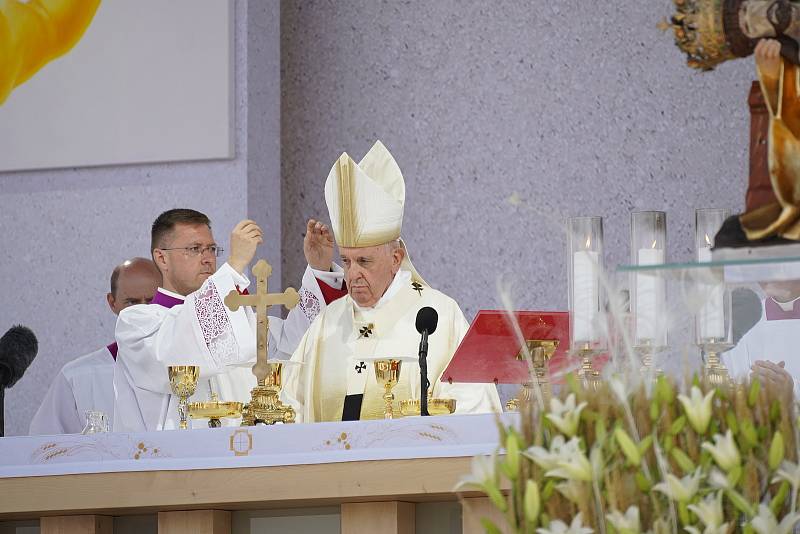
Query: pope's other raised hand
{"type": "Point", "coordinates": [318, 246]}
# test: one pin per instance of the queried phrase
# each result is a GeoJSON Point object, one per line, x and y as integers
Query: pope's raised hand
{"type": "Point", "coordinates": [318, 245]}
{"type": "Point", "coordinates": [246, 236]}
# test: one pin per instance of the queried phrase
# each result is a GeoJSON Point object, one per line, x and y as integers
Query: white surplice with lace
{"type": "Point", "coordinates": [201, 331]}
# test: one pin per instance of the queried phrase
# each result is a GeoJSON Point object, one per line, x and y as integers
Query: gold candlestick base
{"type": "Point", "coordinates": [646, 352]}
{"type": "Point", "coordinates": [265, 406]}
{"type": "Point", "coordinates": [541, 351]}
{"type": "Point", "coordinates": [714, 371]}
{"type": "Point", "coordinates": [183, 382]}
{"type": "Point", "coordinates": [590, 377]}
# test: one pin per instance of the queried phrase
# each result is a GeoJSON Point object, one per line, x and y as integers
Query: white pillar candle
{"type": "Point", "coordinates": [650, 293]}
{"type": "Point", "coordinates": [711, 317]}
{"type": "Point", "coordinates": [585, 272]}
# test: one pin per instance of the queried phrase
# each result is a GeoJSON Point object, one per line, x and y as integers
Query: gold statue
{"type": "Point", "coordinates": [714, 31]}
{"type": "Point", "coordinates": [265, 405]}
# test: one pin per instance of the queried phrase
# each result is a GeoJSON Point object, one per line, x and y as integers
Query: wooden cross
{"type": "Point", "coordinates": [261, 301]}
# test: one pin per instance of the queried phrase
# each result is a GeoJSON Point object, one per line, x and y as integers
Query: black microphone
{"type": "Point", "coordinates": [427, 319]}
{"type": "Point", "coordinates": [18, 348]}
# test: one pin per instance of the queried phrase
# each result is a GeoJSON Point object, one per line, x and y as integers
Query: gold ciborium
{"type": "Point", "coordinates": [265, 405]}
{"type": "Point", "coordinates": [387, 373]}
{"type": "Point", "coordinates": [183, 381]}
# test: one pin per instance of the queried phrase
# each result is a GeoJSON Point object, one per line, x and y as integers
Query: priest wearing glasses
{"type": "Point", "coordinates": [187, 322]}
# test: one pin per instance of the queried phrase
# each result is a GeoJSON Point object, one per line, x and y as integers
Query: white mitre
{"type": "Point", "coordinates": [366, 200]}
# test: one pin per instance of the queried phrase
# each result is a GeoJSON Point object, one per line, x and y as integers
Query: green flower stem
{"type": "Point", "coordinates": [683, 513]}
{"type": "Point", "coordinates": [598, 507]}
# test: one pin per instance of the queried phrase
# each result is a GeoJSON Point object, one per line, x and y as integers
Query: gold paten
{"type": "Point", "coordinates": [183, 382]}
{"type": "Point", "coordinates": [264, 406]}
{"type": "Point", "coordinates": [435, 406]}
{"type": "Point", "coordinates": [541, 351]}
{"type": "Point", "coordinates": [214, 410]}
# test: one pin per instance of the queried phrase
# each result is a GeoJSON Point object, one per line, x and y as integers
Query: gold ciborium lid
{"type": "Point", "coordinates": [435, 406]}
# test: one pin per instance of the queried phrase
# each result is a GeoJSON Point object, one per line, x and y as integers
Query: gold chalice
{"type": "Point", "coordinates": [183, 381]}
{"type": "Point", "coordinates": [387, 373]}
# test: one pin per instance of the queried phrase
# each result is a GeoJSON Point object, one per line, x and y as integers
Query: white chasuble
{"type": "Point", "coordinates": [85, 383]}
{"type": "Point", "coordinates": [775, 338]}
{"type": "Point", "coordinates": [198, 330]}
{"type": "Point", "coordinates": [337, 350]}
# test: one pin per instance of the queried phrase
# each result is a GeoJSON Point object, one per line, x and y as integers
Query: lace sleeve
{"type": "Point", "coordinates": [309, 304]}
{"type": "Point", "coordinates": [216, 325]}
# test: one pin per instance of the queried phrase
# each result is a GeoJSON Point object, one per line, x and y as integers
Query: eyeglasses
{"type": "Point", "coordinates": [197, 250]}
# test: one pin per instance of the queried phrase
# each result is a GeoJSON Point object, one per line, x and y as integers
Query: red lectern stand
{"type": "Point", "coordinates": [490, 352]}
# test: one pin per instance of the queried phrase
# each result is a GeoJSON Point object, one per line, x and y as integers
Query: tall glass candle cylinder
{"type": "Point", "coordinates": [713, 317]}
{"type": "Point", "coordinates": [585, 256]}
{"type": "Point", "coordinates": [648, 289]}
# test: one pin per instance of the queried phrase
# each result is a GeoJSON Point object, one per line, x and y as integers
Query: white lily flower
{"type": "Point", "coordinates": [709, 511]}
{"type": "Point", "coordinates": [565, 415]}
{"type": "Point", "coordinates": [483, 473]}
{"type": "Point", "coordinates": [718, 480]}
{"type": "Point", "coordinates": [680, 489]}
{"type": "Point", "coordinates": [765, 522]}
{"type": "Point", "coordinates": [724, 451]}
{"type": "Point", "coordinates": [788, 471]}
{"type": "Point", "coordinates": [571, 490]}
{"type": "Point", "coordinates": [698, 409]}
{"type": "Point", "coordinates": [559, 527]}
{"type": "Point", "coordinates": [544, 458]}
{"type": "Point", "coordinates": [628, 523]}
{"type": "Point", "coordinates": [572, 463]}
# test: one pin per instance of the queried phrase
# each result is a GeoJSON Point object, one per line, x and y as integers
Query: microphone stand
{"type": "Point", "coordinates": [423, 373]}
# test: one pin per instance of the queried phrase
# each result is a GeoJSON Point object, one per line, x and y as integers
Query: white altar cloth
{"type": "Point", "coordinates": [261, 446]}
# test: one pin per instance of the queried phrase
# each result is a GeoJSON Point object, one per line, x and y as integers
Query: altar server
{"type": "Point", "coordinates": [87, 383]}
{"type": "Point", "coordinates": [188, 323]}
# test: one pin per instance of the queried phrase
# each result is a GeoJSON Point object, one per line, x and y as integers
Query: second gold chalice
{"type": "Point", "coordinates": [183, 382]}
